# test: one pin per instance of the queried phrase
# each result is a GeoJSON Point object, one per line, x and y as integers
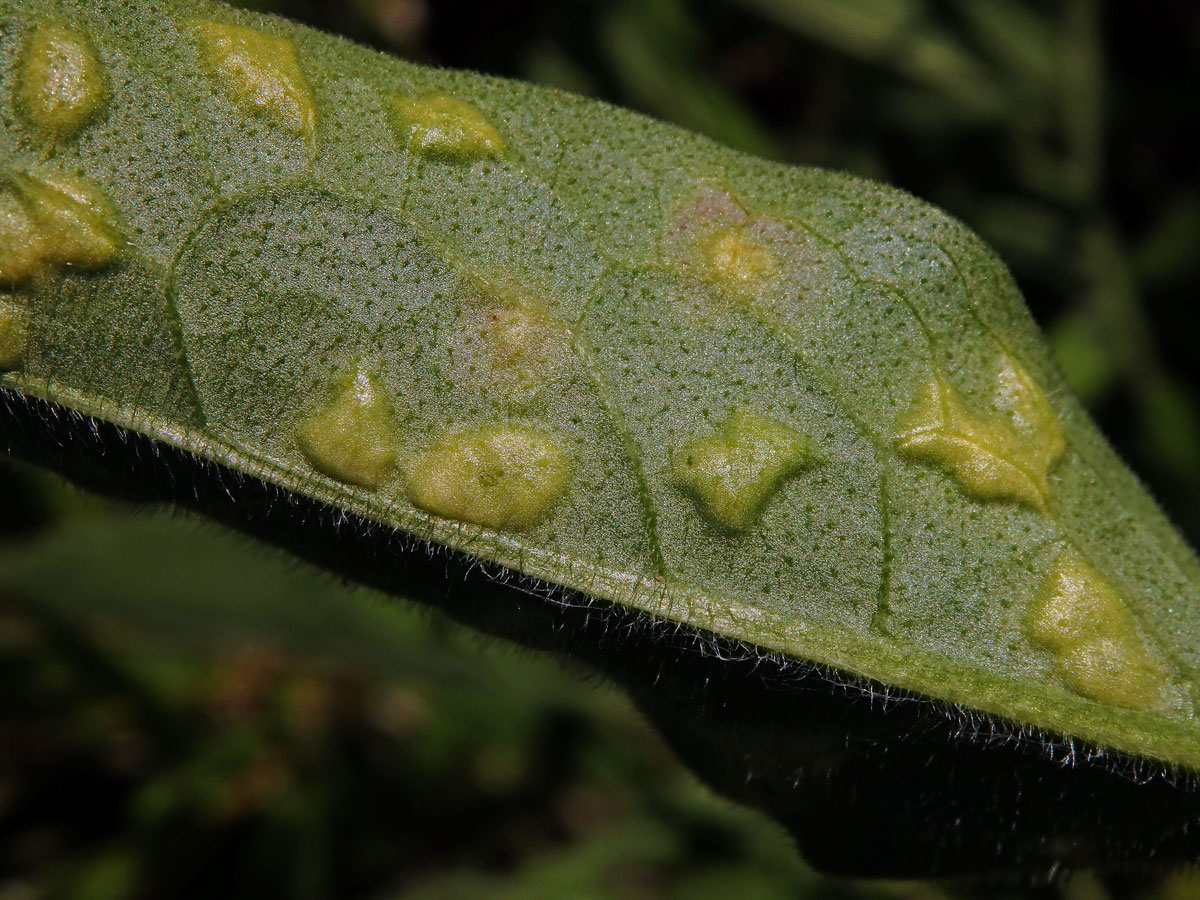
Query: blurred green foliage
{"type": "Point", "coordinates": [186, 714]}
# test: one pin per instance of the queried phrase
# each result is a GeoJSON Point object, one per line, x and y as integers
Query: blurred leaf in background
{"type": "Point", "coordinates": [186, 714]}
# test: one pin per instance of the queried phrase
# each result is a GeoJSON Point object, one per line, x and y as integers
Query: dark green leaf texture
{"type": "Point", "coordinates": [787, 408]}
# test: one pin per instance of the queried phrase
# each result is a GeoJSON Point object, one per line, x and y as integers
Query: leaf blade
{"type": "Point", "coordinates": [672, 281]}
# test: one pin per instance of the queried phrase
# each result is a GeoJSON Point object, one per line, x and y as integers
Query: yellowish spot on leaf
{"type": "Point", "coordinates": [14, 332]}
{"type": "Point", "coordinates": [353, 438]}
{"type": "Point", "coordinates": [714, 238]}
{"type": "Point", "coordinates": [1029, 412]}
{"type": "Point", "coordinates": [736, 259]}
{"type": "Point", "coordinates": [1101, 655]}
{"type": "Point", "coordinates": [441, 125]}
{"type": "Point", "coordinates": [61, 84]}
{"type": "Point", "coordinates": [511, 345]}
{"type": "Point", "coordinates": [260, 72]}
{"type": "Point", "coordinates": [497, 476]}
{"type": "Point", "coordinates": [734, 472]}
{"type": "Point", "coordinates": [22, 250]}
{"type": "Point", "coordinates": [991, 458]}
{"type": "Point", "coordinates": [61, 221]}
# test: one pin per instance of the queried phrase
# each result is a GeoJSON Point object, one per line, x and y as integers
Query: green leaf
{"type": "Point", "coordinates": [502, 320]}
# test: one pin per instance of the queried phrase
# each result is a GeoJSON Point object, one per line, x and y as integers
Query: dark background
{"type": "Point", "coordinates": [183, 715]}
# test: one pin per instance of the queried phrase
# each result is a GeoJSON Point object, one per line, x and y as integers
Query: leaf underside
{"type": "Point", "coordinates": [803, 414]}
